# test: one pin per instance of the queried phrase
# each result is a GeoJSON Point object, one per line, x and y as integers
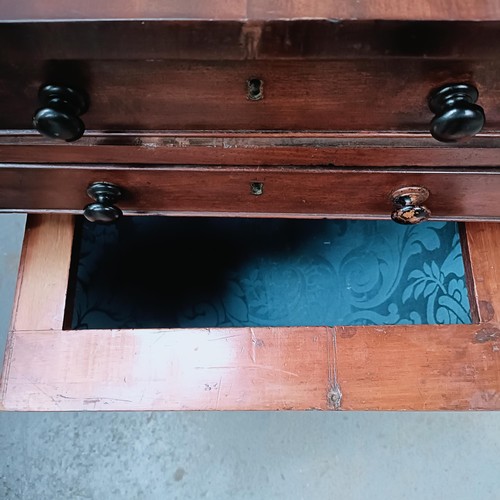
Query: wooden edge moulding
{"type": "Point", "coordinates": [302, 148]}
{"type": "Point", "coordinates": [401, 367]}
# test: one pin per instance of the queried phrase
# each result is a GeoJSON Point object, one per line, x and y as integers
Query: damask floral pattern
{"type": "Point", "coordinates": [207, 272]}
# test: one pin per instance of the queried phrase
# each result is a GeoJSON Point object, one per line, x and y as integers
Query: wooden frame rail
{"type": "Point", "coordinates": [308, 149]}
{"type": "Point", "coordinates": [409, 367]}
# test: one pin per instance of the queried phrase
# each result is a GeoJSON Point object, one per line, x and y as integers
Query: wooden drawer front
{"type": "Point", "coordinates": [338, 95]}
{"type": "Point", "coordinates": [289, 191]}
{"type": "Point", "coordinates": [317, 75]}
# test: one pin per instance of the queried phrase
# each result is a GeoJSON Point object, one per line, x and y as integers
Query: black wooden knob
{"type": "Point", "coordinates": [457, 115]}
{"type": "Point", "coordinates": [60, 109]}
{"type": "Point", "coordinates": [105, 195]}
{"type": "Point", "coordinates": [407, 205]}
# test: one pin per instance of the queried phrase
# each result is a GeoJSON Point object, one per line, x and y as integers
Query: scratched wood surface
{"type": "Point", "coordinates": [290, 192]}
{"type": "Point", "coordinates": [402, 367]}
{"type": "Point", "coordinates": [245, 148]}
{"type": "Point", "coordinates": [363, 368]}
{"type": "Point", "coordinates": [453, 367]}
{"type": "Point", "coordinates": [175, 370]}
{"type": "Point", "coordinates": [252, 9]}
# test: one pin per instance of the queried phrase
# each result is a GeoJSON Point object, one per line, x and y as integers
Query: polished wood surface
{"type": "Point", "coordinates": [239, 41]}
{"type": "Point", "coordinates": [331, 95]}
{"type": "Point", "coordinates": [291, 192]}
{"type": "Point", "coordinates": [401, 367]}
{"type": "Point", "coordinates": [253, 9]}
{"type": "Point", "coordinates": [362, 66]}
{"type": "Point", "coordinates": [245, 148]}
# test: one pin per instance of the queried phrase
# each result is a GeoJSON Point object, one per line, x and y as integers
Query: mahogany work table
{"type": "Point", "coordinates": [279, 109]}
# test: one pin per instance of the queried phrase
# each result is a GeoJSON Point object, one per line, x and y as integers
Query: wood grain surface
{"type": "Point", "coordinates": [245, 148]}
{"type": "Point", "coordinates": [29, 10]}
{"type": "Point", "coordinates": [40, 299]}
{"type": "Point", "coordinates": [289, 192]}
{"type": "Point", "coordinates": [252, 9]}
{"type": "Point", "coordinates": [482, 258]}
{"type": "Point", "coordinates": [331, 95]}
{"type": "Point", "coordinates": [196, 369]}
{"type": "Point", "coordinates": [401, 367]}
{"type": "Point", "coordinates": [356, 368]}
{"type": "Point", "coordinates": [418, 368]}
{"type": "Point", "coordinates": [375, 9]}
{"type": "Point", "coordinates": [241, 40]}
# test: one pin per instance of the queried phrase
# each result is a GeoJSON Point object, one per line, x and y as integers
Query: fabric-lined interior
{"type": "Point", "coordinates": [151, 272]}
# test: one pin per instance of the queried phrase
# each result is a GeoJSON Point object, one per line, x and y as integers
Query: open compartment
{"type": "Point", "coordinates": [451, 363]}
{"type": "Point", "coordinates": [186, 272]}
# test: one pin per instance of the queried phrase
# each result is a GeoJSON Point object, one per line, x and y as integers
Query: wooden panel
{"type": "Point", "coordinates": [375, 9]}
{"type": "Point", "coordinates": [115, 9]}
{"type": "Point", "coordinates": [418, 368]}
{"type": "Point", "coordinates": [371, 368]}
{"type": "Point", "coordinates": [309, 192]}
{"type": "Point", "coordinates": [216, 148]}
{"type": "Point", "coordinates": [252, 9]}
{"type": "Point", "coordinates": [338, 95]}
{"type": "Point", "coordinates": [260, 40]}
{"type": "Point", "coordinates": [482, 251]}
{"type": "Point", "coordinates": [43, 273]}
{"type": "Point", "coordinates": [184, 370]}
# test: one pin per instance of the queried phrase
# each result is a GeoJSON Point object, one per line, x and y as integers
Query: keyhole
{"type": "Point", "coordinates": [255, 89]}
{"type": "Point", "coordinates": [257, 188]}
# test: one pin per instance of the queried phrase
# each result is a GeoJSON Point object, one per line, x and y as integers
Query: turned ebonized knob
{"type": "Point", "coordinates": [60, 108]}
{"type": "Point", "coordinates": [103, 210]}
{"type": "Point", "coordinates": [457, 115]}
{"type": "Point", "coordinates": [407, 205]}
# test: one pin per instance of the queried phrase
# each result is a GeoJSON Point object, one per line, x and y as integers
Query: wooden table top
{"type": "Point", "coordinates": [252, 10]}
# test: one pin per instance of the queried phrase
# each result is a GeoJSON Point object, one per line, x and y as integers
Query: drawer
{"type": "Point", "coordinates": [316, 75]}
{"type": "Point", "coordinates": [373, 95]}
{"type": "Point", "coordinates": [215, 272]}
{"type": "Point", "coordinates": [270, 191]}
{"type": "Point", "coordinates": [50, 365]}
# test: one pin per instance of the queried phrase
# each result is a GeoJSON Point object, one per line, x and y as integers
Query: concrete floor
{"type": "Point", "coordinates": [239, 455]}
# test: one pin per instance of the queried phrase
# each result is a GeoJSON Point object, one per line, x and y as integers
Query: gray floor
{"type": "Point", "coordinates": [239, 455]}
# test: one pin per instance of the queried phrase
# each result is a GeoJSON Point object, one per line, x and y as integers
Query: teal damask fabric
{"type": "Point", "coordinates": [147, 272]}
